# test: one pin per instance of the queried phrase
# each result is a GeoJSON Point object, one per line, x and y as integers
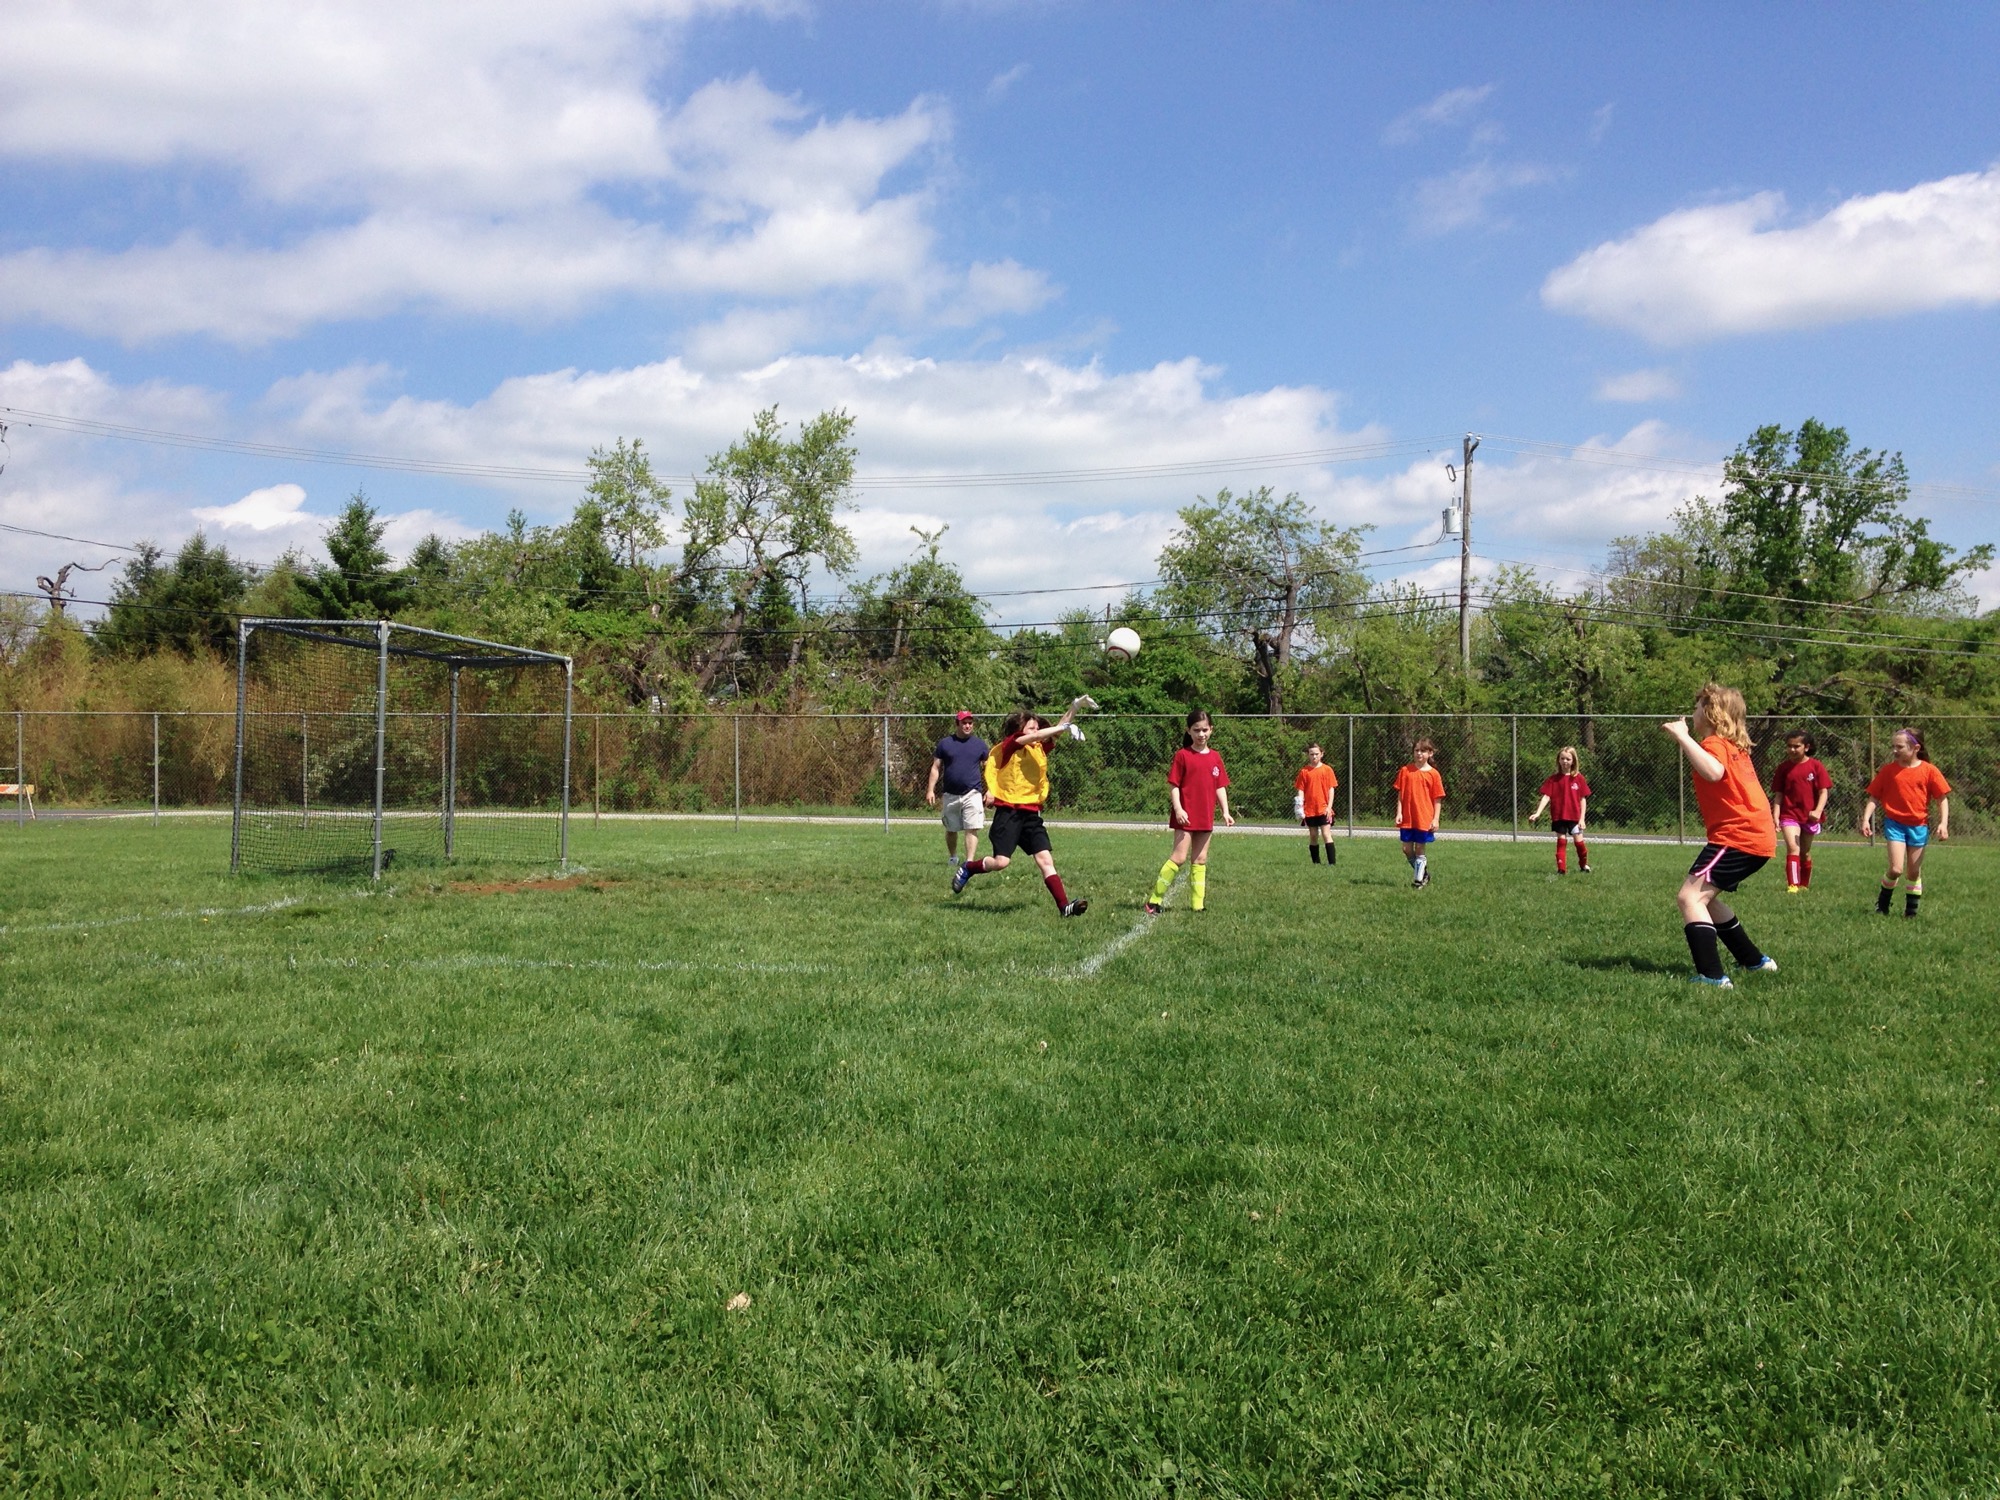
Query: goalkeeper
{"type": "Point", "coordinates": [1017, 784]}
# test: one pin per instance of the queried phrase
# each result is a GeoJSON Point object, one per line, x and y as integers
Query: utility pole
{"type": "Point", "coordinates": [1465, 556]}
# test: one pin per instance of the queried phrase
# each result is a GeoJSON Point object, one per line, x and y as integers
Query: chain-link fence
{"type": "Point", "coordinates": [878, 764]}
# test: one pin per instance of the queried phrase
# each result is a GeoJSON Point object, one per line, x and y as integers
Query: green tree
{"type": "Point", "coordinates": [356, 582]}
{"type": "Point", "coordinates": [768, 509]}
{"type": "Point", "coordinates": [634, 507]}
{"type": "Point", "coordinates": [1259, 571]}
{"type": "Point", "coordinates": [188, 605]}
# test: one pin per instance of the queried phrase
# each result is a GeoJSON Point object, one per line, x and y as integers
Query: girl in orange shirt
{"type": "Point", "coordinates": [1904, 790]}
{"type": "Point", "coordinates": [1737, 817]}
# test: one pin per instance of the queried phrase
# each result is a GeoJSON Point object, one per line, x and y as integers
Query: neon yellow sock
{"type": "Point", "coordinates": [1167, 873]}
{"type": "Point", "coordinates": [1198, 878]}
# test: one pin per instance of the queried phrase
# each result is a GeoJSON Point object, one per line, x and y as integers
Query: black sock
{"type": "Point", "coordinates": [1883, 897]}
{"type": "Point", "coordinates": [1910, 900]}
{"type": "Point", "coordinates": [1701, 943]}
{"type": "Point", "coordinates": [1329, 853]}
{"type": "Point", "coordinates": [1315, 851]}
{"type": "Point", "coordinates": [1737, 941]}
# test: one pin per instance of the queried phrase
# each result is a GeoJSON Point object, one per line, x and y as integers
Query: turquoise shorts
{"type": "Point", "coordinates": [1916, 835]}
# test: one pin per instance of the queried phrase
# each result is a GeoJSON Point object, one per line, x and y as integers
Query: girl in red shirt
{"type": "Point", "coordinates": [1567, 797]}
{"type": "Point", "coordinates": [1741, 841]}
{"type": "Point", "coordinates": [1197, 785]}
{"type": "Point", "coordinates": [1801, 786]}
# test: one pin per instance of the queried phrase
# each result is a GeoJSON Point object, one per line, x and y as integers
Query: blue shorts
{"type": "Point", "coordinates": [1416, 835]}
{"type": "Point", "coordinates": [1916, 835]}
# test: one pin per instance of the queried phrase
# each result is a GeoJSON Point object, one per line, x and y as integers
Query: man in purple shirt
{"type": "Point", "coordinates": [958, 786]}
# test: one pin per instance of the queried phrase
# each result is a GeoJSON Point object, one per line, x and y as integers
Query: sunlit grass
{"type": "Point", "coordinates": [1337, 1187]}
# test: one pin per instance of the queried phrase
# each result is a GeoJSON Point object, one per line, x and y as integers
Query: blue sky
{"type": "Point", "coordinates": [1008, 238]}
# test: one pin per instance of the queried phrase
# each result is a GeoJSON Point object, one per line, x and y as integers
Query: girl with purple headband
{"type": "Point", "coordinates": [1904, 790]}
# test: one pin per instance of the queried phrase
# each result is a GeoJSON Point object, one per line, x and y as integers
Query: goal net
{"type": "Point", "coordinates": [365, 745]}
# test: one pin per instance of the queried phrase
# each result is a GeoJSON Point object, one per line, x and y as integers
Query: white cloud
{"type": "Point", "coordinates": [1002, 84]}
{"type": "Point", "coordinates": [277, 507]}
{"type": "Point", "coordinates": [1640, 385]}
{"type": "Point", "coordinates": [1731, 268]}
{"type": "Point", "coordinates": [1464, 199]}
{"type": "Point", "coordinates": [505, 161]}
{"type": "Point", "coordinates": [1449, 108]}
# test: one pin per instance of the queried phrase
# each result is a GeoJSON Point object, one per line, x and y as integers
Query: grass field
{"type": "Point", "coordinates": [1337, 1188]}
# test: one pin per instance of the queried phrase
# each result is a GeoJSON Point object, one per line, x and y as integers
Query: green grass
{"type": "Point", "coordinates": [1338, 1188]}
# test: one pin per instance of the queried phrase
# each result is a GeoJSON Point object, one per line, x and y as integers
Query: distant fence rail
{"type": "Point", "coordinates": [877, 764]}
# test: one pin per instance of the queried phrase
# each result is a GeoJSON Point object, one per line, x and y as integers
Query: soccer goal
{"type": "Point", "coordinates": [365, 744]}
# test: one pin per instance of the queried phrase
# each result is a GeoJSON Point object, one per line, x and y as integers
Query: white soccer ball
{"type": "Point", "coordinates": [1122, 644]}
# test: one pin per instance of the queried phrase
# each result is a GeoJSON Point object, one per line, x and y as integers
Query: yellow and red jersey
{"type": "Point", "coordinates": [1017, 775]}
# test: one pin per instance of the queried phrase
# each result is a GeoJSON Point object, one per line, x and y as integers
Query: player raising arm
{"type": "Point", "coordinates": [1017, 784]}
{"type": "Point", "coordinates": [1736, 816]}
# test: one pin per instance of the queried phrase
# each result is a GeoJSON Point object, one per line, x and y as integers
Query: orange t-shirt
{"type": "Point", "coordinates": [1317, 782]}
{"type": "Point", "coordinates": [1734, 810]}
{"type": "Point", "coordinates": [1905, 792]}
{"type": "Point", "coordinates": [1420, 792]}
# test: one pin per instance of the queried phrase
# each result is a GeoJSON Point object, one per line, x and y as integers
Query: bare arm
{"type": "Point", "coordinates": [1538, 809]}
{"type": "Point", "coordinates": [930, 790]}
{"type": "Point", "coordinates": [1222, 799]}
{"type": "Point", "coordinates": [1174, 801]}
{"type": "Point", "coordinates": [1944, 817]}
{"type": "Point", "coordinates": [1706, 766]}
{"type": "Point", "coordinates": [1868, 818]}
{"type": "Point", "coordinates": [1819, 807]}
{"type": "Point", "coordinates": [1582, 813]}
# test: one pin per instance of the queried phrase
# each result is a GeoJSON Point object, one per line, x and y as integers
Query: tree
{"type": "Point", "coordinates": [633, 505]}
{"type": "Point", "coordinates": [767, 509]}
{"type": "Point", "coordinates": [356, 583]}
{"type": "Point", "coordinates": [187, 605]}
{"type": "Point", "coordinates": [1811, 568]}
{"type": "Point", "coordinates": [1258, 570]}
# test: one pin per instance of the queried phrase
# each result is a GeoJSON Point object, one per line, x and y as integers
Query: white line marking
{"type": "Point", "coordinates": [162, 916]}
{"type": "Point", "coordinates": [467, 961]}
{"type": "Point", "coordinates": [1089, 967]}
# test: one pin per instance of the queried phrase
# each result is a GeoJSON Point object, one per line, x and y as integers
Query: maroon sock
{"type": "Point", "coordinates": [1054, 883]}
{"type": "Point", "coordinates": [1805, 869]}
{"type": "Point", "coordinates": [1582, 854]}
{"type": "Point", "coordinates": [975, 866]}
{"type": "Point", "coordinates": [1562, 854]}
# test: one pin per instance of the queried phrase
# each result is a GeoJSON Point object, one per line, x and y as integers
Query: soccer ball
{"type": "Point", "coordinates": [1122, 644]}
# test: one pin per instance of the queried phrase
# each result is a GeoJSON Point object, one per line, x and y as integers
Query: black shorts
{"type": "Point", "coordinates": [1726, 869]}
{"type": "Point", "coordinates": [1563, 825]}
{"type": "Point", "coordinates": [1323, 820]}
{"type": "Point", "coordinates": [1017, 828]}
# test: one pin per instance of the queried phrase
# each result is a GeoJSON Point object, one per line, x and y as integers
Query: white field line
{"type": "Point", "coordinates": [95, 924]}
{"type": "Point", "coordinates": [471, 961]}
{"type": "Point", "coordinates": [1087, 969]}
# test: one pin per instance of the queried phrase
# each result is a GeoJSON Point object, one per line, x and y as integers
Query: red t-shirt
{"type": "Point", "coordinates": [1905, 792]}
{"type": "Point", "coordinates": [1200, 775]}
{"type": "Point", "coordinates": [1565, 794]}
{"type": "Point", "coordinates": [1734, 810]}
{"type": "Point", "coordinates": [1797, 785]}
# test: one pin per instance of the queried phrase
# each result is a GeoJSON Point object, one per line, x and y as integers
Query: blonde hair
{"type": "Point", "coordinates": [1723, 708]}
{"type": "Point", "coordinates": [1575, 759]}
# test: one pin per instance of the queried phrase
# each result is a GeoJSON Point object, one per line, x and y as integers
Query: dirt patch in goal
{"type": "Point", "coordinates": [517, 887]}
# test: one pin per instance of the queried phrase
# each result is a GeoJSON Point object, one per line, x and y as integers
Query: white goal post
{"type": "Point", "coordinates": [364, 742]}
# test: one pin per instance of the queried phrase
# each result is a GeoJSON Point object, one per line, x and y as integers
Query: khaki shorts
{"type": "Point", "coordinates": [964, 813]}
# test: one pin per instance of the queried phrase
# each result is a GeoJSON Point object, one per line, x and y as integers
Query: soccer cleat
{"type": "Point", "coordinates": [1076, 908]}
{"type": "Point", "coordinates": [1586, 869]}
{"type": "Point", "coordinates": [1152, 908]}
{"type": "Point", "coordinates": [1722, 983]}
{"type": "Point", "coordinates": [1768, 966]}
{"type": "Point", "coordinates": [1793, 890]}
{"type": "Point", "coordinates": [958, 879]}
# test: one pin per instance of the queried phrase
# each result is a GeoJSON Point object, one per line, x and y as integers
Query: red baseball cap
{"type": "Point", "coordinates": [965, 716]}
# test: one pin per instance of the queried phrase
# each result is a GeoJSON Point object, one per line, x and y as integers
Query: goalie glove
{"type": "Point", "coordinates": [1076, 731]}
{"type": "Point", "coordinates": [1299, 806]}
{"type": "Point", "coordinates": [1086, 701]}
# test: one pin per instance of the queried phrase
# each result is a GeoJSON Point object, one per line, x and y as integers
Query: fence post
{"type": "Point", "coordinates": [1681, 786]}
{"type": "Point", "coordinates": [1514, 736]}
{"type": "Point", "coordinates": [1350, 775]}
{"type": "Point", "coordinates": [569, 725]}
{"type": "Point", "coordinates": [596, 769]}
{"type": "Point", "coordinates": [381, 736]}
{"type": "Point", "coordinates": [305, 769]}
{"type": "Point", "coordinates": [20, 768]}
{"type": "Point", "coordinates": [885, 773]}
{"type": "Point", "coordinates": [451, 768]}
{"type": "Point", "coordinates": [737, 721]}
{"type": "Point", "coordinates": [236, 811]}
{"type": "Point", "coordinates": [156, 770]}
